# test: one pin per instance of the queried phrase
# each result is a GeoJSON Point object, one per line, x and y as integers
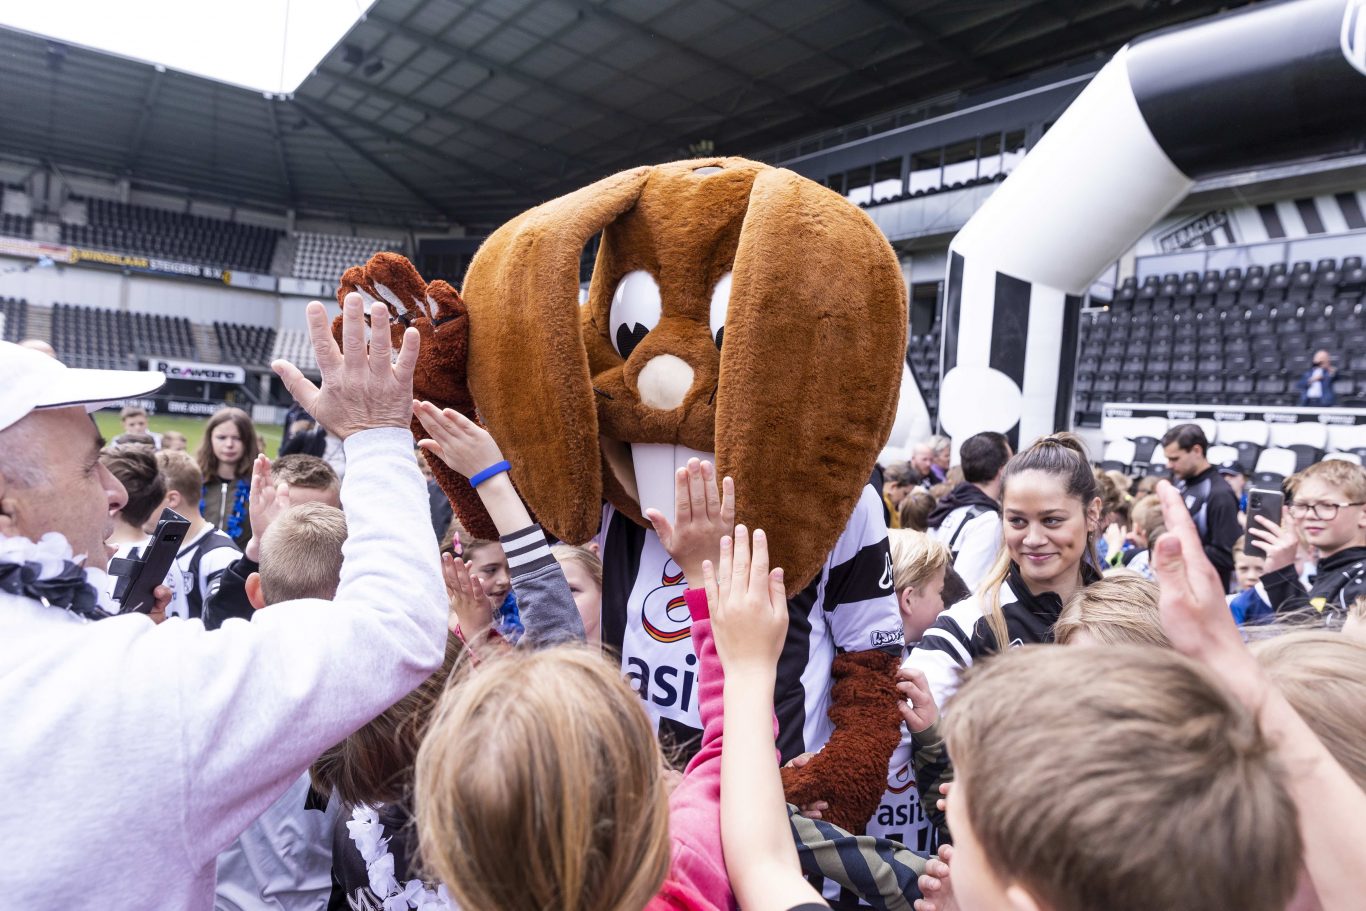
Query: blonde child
{"type": "Point", "coordinates": [1328, 509]}
{"type": "Point", "coordinates": [583, 571]}
{"type": "Point", "coordinates": [1118, 609]}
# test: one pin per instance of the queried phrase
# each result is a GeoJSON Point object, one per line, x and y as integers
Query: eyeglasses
{"type": "Point", "coordinates": [1326, 511]}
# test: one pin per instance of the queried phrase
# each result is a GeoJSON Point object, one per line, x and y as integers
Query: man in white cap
{"type": "Point", "coordinates": [132, 754]}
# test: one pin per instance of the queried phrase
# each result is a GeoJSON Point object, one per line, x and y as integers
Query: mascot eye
{"type": "Point", "coordinates": [635, 310]}
{"type": "Point", "coordinates": [720, 303]}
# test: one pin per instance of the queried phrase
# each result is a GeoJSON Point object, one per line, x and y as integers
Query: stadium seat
{"type": "Point", "coordinates": [1119, 455]}
{"type": "Point", "coordinates": [1145, 448]}
{"type": "Point", "coordinates": [1343, 457]}
{"type": "Point", "coordinates": [1307, 440]}
{"type": "Point", "coordinates": [1273, 467]}
{"type": "Point", "coordinates": [1346, 437]}
{"type": "Point", "coordinates": [1222, 455]}
{"type": "Point", "coordinates": [1233, 432]}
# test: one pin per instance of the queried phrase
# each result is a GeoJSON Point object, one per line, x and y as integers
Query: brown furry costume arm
{"type": "Point", "coordinates": [850, 771]}
{"type": "Point", "coordinates": [438, 313]}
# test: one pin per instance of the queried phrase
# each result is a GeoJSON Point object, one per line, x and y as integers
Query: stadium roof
{"type": "Point", "coordinates": [471, 110]}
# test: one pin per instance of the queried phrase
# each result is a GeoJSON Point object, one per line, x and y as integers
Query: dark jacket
{"type": "Point", "coordinates": [1215, 510]}
{"type": "Point", "coordinates": [1338, 581]}
{"type": "Point", "coordinates": [1328, 398]}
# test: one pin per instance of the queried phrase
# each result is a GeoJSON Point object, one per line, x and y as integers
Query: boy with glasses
{"type": "Point", "coordinates": [1329, 510]}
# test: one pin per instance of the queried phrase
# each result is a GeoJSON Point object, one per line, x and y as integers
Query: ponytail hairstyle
{"type": "Point", "coordinates": [1063, 456]}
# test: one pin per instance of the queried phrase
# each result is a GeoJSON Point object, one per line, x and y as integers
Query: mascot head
{"type": "Point", "coordinates": [735, 309]}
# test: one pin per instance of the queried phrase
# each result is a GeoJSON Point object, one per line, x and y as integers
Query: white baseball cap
{"type": "Point", "coordinates": [30, 380]}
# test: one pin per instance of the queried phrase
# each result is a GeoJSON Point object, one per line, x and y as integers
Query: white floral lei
{"type": "Point", "coordinates": [367, 832]}
{"type": "Point", "coordinates": [51, 552]}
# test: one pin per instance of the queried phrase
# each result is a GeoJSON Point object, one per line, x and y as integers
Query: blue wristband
{"type": "Point", "coordinates": [496, 468]}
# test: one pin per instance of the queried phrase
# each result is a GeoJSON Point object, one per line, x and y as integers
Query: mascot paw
{"type": "Point", "coordinates": [435, 310]}
{"type": "Point", "coordinates": [850, 772]}
{"type": "Point", "coordinates": [439, 315]}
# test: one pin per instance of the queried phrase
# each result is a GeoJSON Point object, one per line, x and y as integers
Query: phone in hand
{"type": "Point", "coordinates": [145, 573]}
{"type": "Point", "coordinates": [1267, 503]}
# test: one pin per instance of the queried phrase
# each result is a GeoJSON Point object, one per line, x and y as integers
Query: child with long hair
{"type": "Point", "coordinates": [1051, 511]}
{"type": "Point", "coordinates": [226, 454]}
{"type": "Point", "coordinates": [568, 770]}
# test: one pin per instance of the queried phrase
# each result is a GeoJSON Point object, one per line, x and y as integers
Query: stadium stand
{"type": "Point", "coordinates": [16, 225]}
{"type": "Point", "coordinates": [174, 235]}
{"type": "Point", "coordinates": [240, 344]}
{"type": "Point", "coordinates": [922, 351]}
{"type": "Point", "coordinates": [1225, 339]}
{"type": "Point", "coordinates": [15, 322]}
{"type": "Point", "coordinates": [325, 257]}
{"type": "Point", "coordinates": [294, 346]}
{"type": "Point", "coordinates": [116, 339]}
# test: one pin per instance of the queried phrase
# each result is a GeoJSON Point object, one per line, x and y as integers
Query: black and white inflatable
{"type": "Point", "coordinates": [1275, 82]}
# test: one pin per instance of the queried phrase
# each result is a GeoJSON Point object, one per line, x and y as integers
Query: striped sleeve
{"type": "Point", "coordinates": [543, 596]}
{"type": "Point", "coordinates": [874, 871]}
{"type": "Point", "coordinates": [932, 768]}
{"type": "Point", "coordinates": [946, 649]}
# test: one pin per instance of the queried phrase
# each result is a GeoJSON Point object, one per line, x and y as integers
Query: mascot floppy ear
{"type": "Point", "coordinates": [527, 366]}
{"type": "Point", "coordinates": [815, 334]}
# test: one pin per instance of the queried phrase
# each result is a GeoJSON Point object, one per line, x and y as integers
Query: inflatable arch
{"type": "Point", "coordinates": [1270, 83]}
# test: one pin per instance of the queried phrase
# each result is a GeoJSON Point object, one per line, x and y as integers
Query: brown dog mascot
{"type": "Point", "coordinates": [736, 311]}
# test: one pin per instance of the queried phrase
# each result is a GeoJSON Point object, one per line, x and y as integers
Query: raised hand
{"type": "Point", "coordinates": [917, 705]}
{"type": "Point", "coordinates": [470, 610]}
{"type": "Point", "coordinates": [1194, 613]}
{"type": "Point", "coordinates": [702, 516]}
{"type": "Point", "coordinates": [1281, 542]}
{"type": "Point", "coordinates": [936, 883]}
{"type": "Point", "coordinates": [361, 389]}
{"type": "Point", "coordinates": [265, 505]}
{"type": "Point", "coordinates": [748, 606]}
{"type": "Point", "coordinates": [457, 441]}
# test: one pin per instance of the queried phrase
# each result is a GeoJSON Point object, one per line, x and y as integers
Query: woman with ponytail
{"type": "Point", "coordinates": [1051, 510]}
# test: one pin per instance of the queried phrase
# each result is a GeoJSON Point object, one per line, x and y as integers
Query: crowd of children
{"type": "Point", "coordinates": [1156, 761]}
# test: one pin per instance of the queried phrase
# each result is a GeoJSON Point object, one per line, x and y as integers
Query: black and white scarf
{"type": "Point", "coordinates": [46, 571]}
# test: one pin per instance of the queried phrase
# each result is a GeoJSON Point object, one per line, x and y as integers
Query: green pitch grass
{"type": "Point", "coordinates": [192, 427]}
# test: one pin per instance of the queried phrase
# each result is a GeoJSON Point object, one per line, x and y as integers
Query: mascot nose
{"type": "Point", "coordinates": [664, 382]}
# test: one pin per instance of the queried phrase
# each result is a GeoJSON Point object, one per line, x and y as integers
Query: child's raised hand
{"type": "Point", "coordinates": [936, 884]}
{"type": "Point", "coordinates": [748, 605]}
{"type": "Point", "coordinates": [916, 705]}
{"type": "Point", "coordinates": [470, 609]}
{"type": "Point", "coordinates": [702, 515]}
{"type": "Point", "coordinates": [1281, 542]}
{"type": "Point", "coordinates": [456, 440]}
{"type": "Point", "coordinates": [265, 503]}
{"type": "Point", "coordinates": [1194, 614]}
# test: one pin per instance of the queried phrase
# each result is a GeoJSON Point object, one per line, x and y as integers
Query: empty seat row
{"type": "Point", "coordinates": [118, 339]}
{"type": "Point", "coordinates": [15, 312]}
{"type": "Point", "coordinates": [173, 235]}
{"type": "Point", "coordinates": [242, 344]}
{"type": "Point", "coordinates": [324, 257]}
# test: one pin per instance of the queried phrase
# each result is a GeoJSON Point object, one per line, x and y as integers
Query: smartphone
{"type": "Point", "coordinates": [150, 569]}
{"type": "Point", "coordinates": [1261, 503]}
